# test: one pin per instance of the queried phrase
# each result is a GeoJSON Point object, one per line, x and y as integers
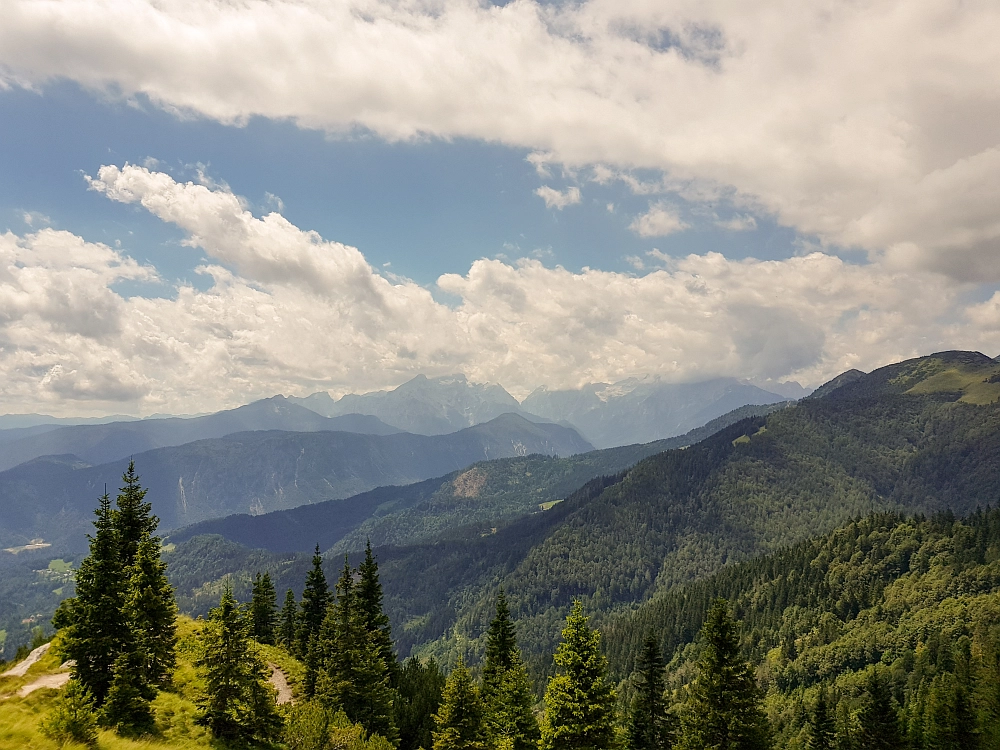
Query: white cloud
{"type": "Point", "coordinates": [558, 199]}
{"type": "Point", "coordinates": [288, 311]}
{"type": "Point", "coordinates": [867, 124]}
{"type": "Point", "coordinates": [660, 220]}
{"type": "Point", "coordinates": [737, 223]}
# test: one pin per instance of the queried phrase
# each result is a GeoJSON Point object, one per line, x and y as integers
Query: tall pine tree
{"type": "Point", "coordinates": [418, 697]}
{"type": "Point", "coordinates": [459, 720]}
{"type": "Point", "coordinates": [352, 674]}
{"type": "Point", "coordinates": [507, 695]}
{"type": "Point", "coordinates": [287, 622]}
{"type": "Point", "coordinates": [822, 731]}
{"type": "Point", "coordinates": [238, 705]}
{"type": "Point", "coordinates": [152, 613]}
{"type": "Point", "coordinates": [369, 601]}
{"type": "Point", "coordinates": [579, 700]}
{"type": "Point", "coordinates": [263, 610]}
{"type": "Point", "coordinates": [133, 518]}
{"type": "Point", "coordinates": [724, 708]}
{"type": "Point", "coordinates": [315, 598]}
{"type": "Point", "coordinates": [650, 726]}
{"type": "Point", "coordinates": [878, 719]}
{"type": "Point", "coordinates": [94, 623]}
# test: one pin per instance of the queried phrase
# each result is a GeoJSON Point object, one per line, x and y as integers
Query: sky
{"type": "Point", "coordinates": [204, 203]}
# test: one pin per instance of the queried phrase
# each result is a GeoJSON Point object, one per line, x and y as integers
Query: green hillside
{"type": "Point", "coordinates": [919, 597]}
{"type": "Point", "coordinates": [468, 502]}
{"type": "Point", "coordinates": [869, 445]}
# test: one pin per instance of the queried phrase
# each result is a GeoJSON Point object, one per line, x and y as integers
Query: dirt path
{"type": "Point", "coordinates": [280, 683]}
{"type": "Point", "coordinates": [56, 681]}
{"type": "Point", "coordinates": [21, 668]}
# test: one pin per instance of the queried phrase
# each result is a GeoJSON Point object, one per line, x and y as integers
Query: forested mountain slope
{"type": "Point", "coordinates": [468, 502]}
{"type": "Point", "coordinates": [918, 596]}
{"type": "Point", "coordinates": [923, 435]}
{"type": "Point", "coordinates": [52, 498]}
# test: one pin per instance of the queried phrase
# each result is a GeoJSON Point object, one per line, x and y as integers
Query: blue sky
{"type": "Point", "coordinates": [205, 203]}
{"type": "Point", "coordinates": [426, 208]}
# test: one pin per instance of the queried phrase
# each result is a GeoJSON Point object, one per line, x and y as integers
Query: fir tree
{"type": "Point", "coordinates": [238, 704]}
{"type": "Point", "coordinates": [579, 701]}
{"type": "Point", "coordinates": [821, 725]}
{"type": "Point", "coordinates": [127, 709]}
{"type": "Point", "coordinates": [649, 726]}
{"type": "Point", "coordinates": [263, 610]}
{"type": "Point", "coordinates": [288, 620]}
{"type": "Point", "coordinates": [507, 695]}
{"type": "Point", "coordinates": [315, 599]}
{"type": "Point", "coordinates": [152, 613]}
{"type": "Point", "coordinates": [95, 628]}
{"type": "Point", "coordinates": [369, 599]}
{"type": "Point", "coordinates": [72, 717]}
{"type": "Point", "coordinates": [723, 708]}
{"type": "Point", "coordinates": [459, 721]}
{"type": "Point", "coordinates": [352, 675]}
{"type": "Point", "coordinates": [949, 719]}
{"type": "Point", "coordinates": [133, 518]}
{"type": "Point", "coordinates": [418, 698]}
{"type": "Point", "coordinates": [878, 719]}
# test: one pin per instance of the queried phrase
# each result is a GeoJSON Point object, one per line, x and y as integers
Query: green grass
{"type": "Point", "coordinates": [60, 566]}
{"type": "Point", "coordinates": [175, 708]}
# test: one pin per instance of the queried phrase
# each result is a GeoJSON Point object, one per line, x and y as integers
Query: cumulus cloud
{"type": "Point", "coordinates": [661, 219]}
{"type": "Point", "coordinates": [558, 199]}
{"type": "Point", "coordinates": [288, 311]}
{"type": "Point", "coordinates": [865, 124]}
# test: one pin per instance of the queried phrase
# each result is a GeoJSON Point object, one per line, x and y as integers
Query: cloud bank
{"type": "Point", "coordinates": [866, 124]}
{"type": "Point", "coordinates": [291, 312]}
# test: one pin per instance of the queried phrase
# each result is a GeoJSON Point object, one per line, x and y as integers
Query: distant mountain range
{"type": "Point", "coordinates": [53, 497]}
{"type": "Point", "coordinates": [425, 406]}
{"type": "Point", "coordinates": [641, 410]}
{"type": "Point", "coordinates": [101, 443]}
{"type": "Point", "coordinates": [638, 410]}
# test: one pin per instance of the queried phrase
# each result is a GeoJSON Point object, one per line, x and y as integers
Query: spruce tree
{"type": "Point", "coordinates": [238, 704]}
{"type": "Point", "coordinates": [288, 620]}
{"type": "Point", "coordinates": [649, 725]}
{"type": "Point", "coordinates": [949, 719]}
{"type": "Point", "coordinates": [507, 695]}
{"type": "Point", "coordinates": [315, 598]}
{"type": "Point", "coordinates": [127, 709]}
{"type": "Point", "coordinates": [878, 719]}
{"type": "Point", "coordinates": [152, 613]}
{"type": "Point", "coordinates": [72, 717]}
{"type": "Point", "coordinates": [369, 602]}
{"type": "Point", "coordinates": [263, 610]}
{"type": "Point", "coordinates": [579, 700]}
{"type": "Point", "coordinates": [352, 674]}
{"type": "Point", "coordinates": [133, 518]}
{"type": "Point", "coordinates": [723, 708]}
{"type": "Point", "coordinates": [459, 720]}
{"type": "Point", "coordinates": [821, 726]}
{"type": "Point", "coordinates": [418, 698]}
{"type": "Point", "coordinates": [94, 624]}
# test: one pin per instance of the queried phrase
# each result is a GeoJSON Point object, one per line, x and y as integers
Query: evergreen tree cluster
{"type": "Point", "coordinates": [119, 629]}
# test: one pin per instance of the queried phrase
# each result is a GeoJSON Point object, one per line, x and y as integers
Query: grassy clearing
{"type": "Point", "coordinates": [175, 708]}
{"type": "Point", "coordinates": [971, 383]}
